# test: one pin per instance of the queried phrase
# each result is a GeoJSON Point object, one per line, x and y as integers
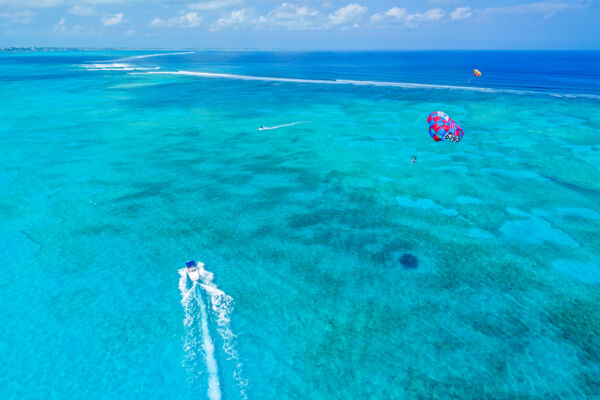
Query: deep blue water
{"type": "Point", "coordinates": [335, 267]}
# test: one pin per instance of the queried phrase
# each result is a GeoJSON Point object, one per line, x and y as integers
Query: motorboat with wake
{"type": "Point", "coordinates": [193, 270]}
{"type": "Point", "coordinates": [268, 128]}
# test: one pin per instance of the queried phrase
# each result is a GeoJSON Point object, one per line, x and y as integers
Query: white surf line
{"type": "Point", "coordinates": [405, 85]}
{"type": "Point", "coordinates": [268, 128]}
{"type": "Point", "coordinates": [159, 55]}
{"type": "Point", "coordinates": [321, 81]}
{"type": "Point", "coordinates": [151, 55]}
{"type": "Point", "coordinates": [214, 386]}
{"type": "Point", "coordinates": [115, 67]}
{"type": "Point", "coordinates": [222, 306]}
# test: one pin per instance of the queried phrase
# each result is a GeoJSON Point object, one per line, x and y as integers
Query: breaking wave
{"type": "Point", "coordinates": [157, 55]}
{"type": "Point", "coordinates": [405, 85]}
{"type": "Point", "coordinates": [116, 67]}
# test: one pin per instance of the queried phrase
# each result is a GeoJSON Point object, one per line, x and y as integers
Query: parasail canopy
{"type": "Point", "coordinates": [442, 128]}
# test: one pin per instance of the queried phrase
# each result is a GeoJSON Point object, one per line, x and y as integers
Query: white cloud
{"type": "Point", "coordinates": [544, 8]}
{"type": "Point", "coordinates": [31, 3]}
{"type": "Point", "coordinates": [292, 17]}
{"type": "Point", "coordinates": [111, 20]}
{"type": "Point", "coordinates": [413, 20]}
{"type": "Point", "coordinates": [461, 13]}
{"type": "Point", "coordinates": [394, 14]}
{"type": "Point", "coordinates": [397, 15]}
{"type": "Point", "coordinates": [347, 15]}
{"type": "Point", "coordinates": [61, 26]}
{"type": "Point", "coordinates": [158, 23]}
{"type": "Point", "coordinates": [21, 17]}
{"type": "Point", "coordinates": [189, 20]}
{"type": "Point", "coordinates": [236, 19]}
{"type": "Point", "coordinates": [130, 32]}
{"type": "Point", "coordinates": [78, 9]}
{"type": "Point", "coordinates": [212, 5]}
{"type": "Point", "coordinates": [444, 2]}
{"type": "Point", "coordinates": [287, 15]}
{"type": "Point", "coordinates": [51, 3]}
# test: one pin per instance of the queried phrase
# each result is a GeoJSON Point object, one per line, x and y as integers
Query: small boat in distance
{"type": "Point", "coordinates": [268, 128]}
{"type": "Point", "coordinates": [193, 270]}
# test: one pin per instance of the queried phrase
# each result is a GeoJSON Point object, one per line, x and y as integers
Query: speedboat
{"type": "Point", "coordinates": [193, 270]}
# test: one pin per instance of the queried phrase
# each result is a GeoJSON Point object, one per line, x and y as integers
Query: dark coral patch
{"type": "Point", "coordinates": [409, 261]}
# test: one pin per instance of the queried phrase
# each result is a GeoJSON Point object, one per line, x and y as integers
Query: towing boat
{"type": "Point", "coordinates": [193, 270]}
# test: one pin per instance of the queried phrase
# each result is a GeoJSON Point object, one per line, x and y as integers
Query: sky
{"type": "Point", "coordinates": [302, 24]}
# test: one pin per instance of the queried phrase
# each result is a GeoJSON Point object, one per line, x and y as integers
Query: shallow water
{"type": "Point", "coordinates": [112, 179]}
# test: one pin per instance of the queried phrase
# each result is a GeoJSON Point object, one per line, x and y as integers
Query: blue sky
{"type": "Point", "coordinates": [302, 24]}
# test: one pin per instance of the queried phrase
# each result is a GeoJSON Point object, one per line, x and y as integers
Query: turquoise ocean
{"type": "Point", "coordinates": [334, 267]}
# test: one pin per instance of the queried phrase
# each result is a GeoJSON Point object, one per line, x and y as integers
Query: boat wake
{"type": "Point", "coordinates": [198, 339]}
{"type": "Point", "coordinates": [268, 128]}
{"type": "Point", "coordinates": [191, 300]}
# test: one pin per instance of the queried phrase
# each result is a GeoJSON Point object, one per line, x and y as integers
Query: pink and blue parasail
{"type": "Point", "coordinates": [442, 128]}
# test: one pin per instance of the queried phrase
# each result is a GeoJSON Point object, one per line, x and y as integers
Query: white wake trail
{"type": "Point", "coordinates": [189, 297]}
{"type": "Point", "coordinates": [268, 128]}
{"type": "Point", "coordinates": [222, 307]}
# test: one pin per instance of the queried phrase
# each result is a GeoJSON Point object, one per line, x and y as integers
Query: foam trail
{"type": "Point", "coordinates": [222, 307]}
{"type": "Point", "coordinates": [188, 297]}
{"type": "Point", "coordinates": [405, 85]}
{"type": "Point", "coordinates": [214, 388]}
{"type": "Point", "coordinates": [268, 128]}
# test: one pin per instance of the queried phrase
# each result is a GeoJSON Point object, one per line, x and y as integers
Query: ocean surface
{"type": "Point", "coordinates": [334, 267]}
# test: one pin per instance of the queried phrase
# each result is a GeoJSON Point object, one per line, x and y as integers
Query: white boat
{"type": "Point", "coordinates": [193, 270]}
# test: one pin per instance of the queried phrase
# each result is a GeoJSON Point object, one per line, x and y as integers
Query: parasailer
{"type": "Point", "coordinates": [442, 128]}
{"type": "Point", "coordinates": [476, 74]}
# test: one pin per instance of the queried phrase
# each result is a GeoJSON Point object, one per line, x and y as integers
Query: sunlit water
{"type": "Point", "coordinates": [335, 267]}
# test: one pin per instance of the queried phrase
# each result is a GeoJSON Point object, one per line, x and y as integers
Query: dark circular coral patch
{"type": "Point", "coordinates": [409, 261]}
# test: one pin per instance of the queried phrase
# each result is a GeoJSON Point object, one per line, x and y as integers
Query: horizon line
{"type": "Point", "coordinates": [92, 48]}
